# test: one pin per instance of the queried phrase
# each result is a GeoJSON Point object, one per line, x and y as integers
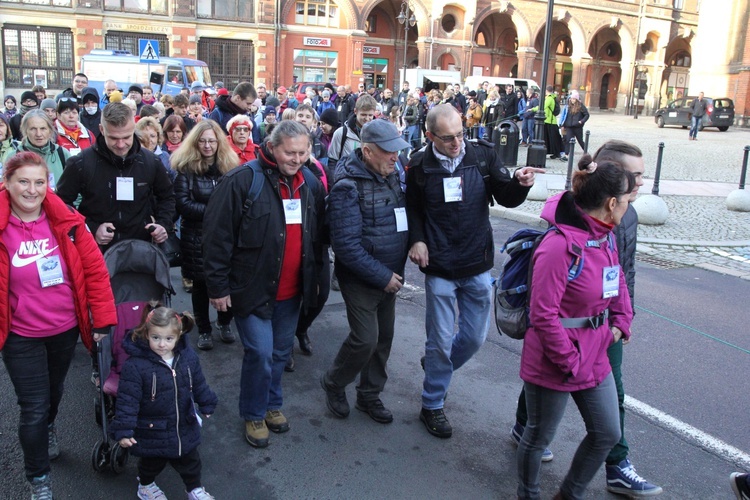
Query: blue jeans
{"type": "Point", "coordinates": [268, 344]}
{"type": "Point", "coordinates": [694, 121]}
{"type": "Point", "coordinates": [37, 367]}
{"type": "Point", "coordinates": [446, 350]}
{"type": "Point", "coordinates": [598, 407]}
{"type": "Point", "coordinates": [527, 130]}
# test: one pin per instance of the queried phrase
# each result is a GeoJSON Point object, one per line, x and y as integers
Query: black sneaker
{"type": "Point", "coordinates": [436, 422]}
{"type": "Point", "coordinates": [739, 483]}
{"type": "Point", "coordinates": [377, 411]}
{"type": "Point", "coordinates": [304, 343]}
{"type": "Point", "coordinates": [335, 400]}
{"type": "Point", "coordinates": [205, 341]}
{"type": "Point", "coordinates": [289, 366]}
{"type": "Point", "coordinates": [226, 334]}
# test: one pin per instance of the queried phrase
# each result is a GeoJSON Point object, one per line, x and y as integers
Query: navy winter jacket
{"type": "Point", "coordinates": [458, 234]}
{"type": "Point", "coordinates": [362, 219]}
{"type": "Point", "coordinates": [156, 407]}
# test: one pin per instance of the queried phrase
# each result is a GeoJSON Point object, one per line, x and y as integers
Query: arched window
{"type": "Point", "coordinates": [564, 47]}
{"type": "Point", "coordinates": [481, 41]}
{"type": "Point", "coordinates": [317, 13]}
{"type": "Point", "coordinates": [681, 59]}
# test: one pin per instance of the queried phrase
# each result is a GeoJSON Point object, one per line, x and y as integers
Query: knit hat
{"type": "Point", "coordinates": [272, 101]}
{"type": "Point", "coordinates": [196, 86]}
{"type": "Point", "coordinates": [326, 93]}
{"type": "Point", "coordinates": [222, 91]}
{"type": "Point", "coordinates": [195, 99]}
{"type": "Point", "coordinates": [115, 96]}
{"type": "Point", "coordinates": [135, 88]}
{"type": "Point", "coordinates": [269, 110]}
{"type": "Point", "coordinates": [29, 95]}
{"type": "Point", "coordinates": [330, 116]}
{"type": "Point", "coordinates": [48, 103]}
{"type": "Point", "coordinates": [67, 103]}
{"type": "Point", "coordinates": [575, 95]}
{"type": "Point", "coordinates": [219, 85]}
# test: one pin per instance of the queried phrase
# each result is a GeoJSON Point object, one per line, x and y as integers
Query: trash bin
{"type": "Point", "coordinates": [505, 137]}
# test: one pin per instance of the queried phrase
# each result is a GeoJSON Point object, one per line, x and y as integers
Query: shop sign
{"type": "Point", "coordinates": [316, 42]}
{"type": "Point", "coordinates": [369, 49]}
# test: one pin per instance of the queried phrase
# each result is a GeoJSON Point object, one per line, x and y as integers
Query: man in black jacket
{"type": "Point", "coordinates": [370, 243]}
{"type": "Point", "coordinates": [261, 257]}
{"type": "Point", "coordinates": [344, 103]}
{"type": "Point", "coordinates": [238, 104]}
{"type": "Point", "coordinates": [122, 185]}
{"type": "Point", "coordinates": [448, 189]}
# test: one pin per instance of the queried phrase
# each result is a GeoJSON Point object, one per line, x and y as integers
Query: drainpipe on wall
{"type": "Point", "coordinates": [277, 43]}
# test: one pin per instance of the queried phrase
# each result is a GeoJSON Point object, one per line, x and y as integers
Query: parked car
{"type": "Point", "coordinates": [720, 113]}
{"type": "Point", "coordinates": [301, 87]}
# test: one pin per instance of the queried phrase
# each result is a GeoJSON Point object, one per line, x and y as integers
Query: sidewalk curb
{"type": "Point", "coordinates": [536, 221]}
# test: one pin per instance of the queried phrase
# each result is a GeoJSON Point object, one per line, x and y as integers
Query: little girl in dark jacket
{"type": "Point", "coordinates": [161, 388]}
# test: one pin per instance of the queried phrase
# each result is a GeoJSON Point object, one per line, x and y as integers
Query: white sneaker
{"type": "Point", "coordinates": [150, 492]}
{"type": "Point", "coordinates": [200, 494]}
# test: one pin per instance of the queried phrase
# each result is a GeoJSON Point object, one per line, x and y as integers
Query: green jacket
{"type": "Point", "coordinates": [549, 106]}
{"type": "Point", "coordinates": [54, 156]}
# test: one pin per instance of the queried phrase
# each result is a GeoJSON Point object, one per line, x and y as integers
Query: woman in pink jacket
{"type": "Point", "coordinates": [574, 321]}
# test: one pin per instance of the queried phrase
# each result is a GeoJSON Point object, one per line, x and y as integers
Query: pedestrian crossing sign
{"type": "Point", "coordinates": [148, 50]}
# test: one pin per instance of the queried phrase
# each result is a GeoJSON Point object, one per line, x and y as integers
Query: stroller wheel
{"type": "Point", "coordinates": [100, 456]}
{"type": "Point", "coordinates": [118, 458]}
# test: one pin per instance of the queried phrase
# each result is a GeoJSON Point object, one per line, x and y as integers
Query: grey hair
{"type": "Point", "coordinates": [38, 113]}
{"type": "Point", "coordinates": [286, 129]}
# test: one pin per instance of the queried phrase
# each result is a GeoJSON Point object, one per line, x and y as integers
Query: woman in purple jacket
{"type": "Point", "coordinates": [574, 320]}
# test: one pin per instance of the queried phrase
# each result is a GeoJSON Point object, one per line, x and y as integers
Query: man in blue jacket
{"type": "Point", "coordinates": [370, 242]}
{"type": "Point", "coordinates": [449, 185]}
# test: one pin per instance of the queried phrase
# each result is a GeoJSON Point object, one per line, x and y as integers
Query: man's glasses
{"type": "Point", "coordinates": [447, 139]}
{"type": "Point", "coordinates": [207, 142]}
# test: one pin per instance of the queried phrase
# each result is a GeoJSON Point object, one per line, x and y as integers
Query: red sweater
{"type": "Point", "coordinates": [290, 280]}
{"type": "Point", "coordinates": [91, 291]}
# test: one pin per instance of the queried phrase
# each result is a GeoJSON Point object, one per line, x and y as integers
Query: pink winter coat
{"type": "Point", "coordinates": [571, 359]}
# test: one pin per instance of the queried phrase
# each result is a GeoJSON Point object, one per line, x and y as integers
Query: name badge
{"type": "Point", "coordinates": [293, 211]}
{"type": "Point", "coordinates": [50, 271]}
{"type": "Point", "coordinates": [452, 189]}
{"type": "Point", "coordinates": [74, 151]}
{"type": "Point", "coordinates": [339, 108]}
{"type": "Point", "coordinates": [492, 111]}
{"type": "Point", "coordinates": [124, 189]}
{"type": "Point", "coordinates": [401, 222]}
{"type": "Point", "coordinates": [611, 282]}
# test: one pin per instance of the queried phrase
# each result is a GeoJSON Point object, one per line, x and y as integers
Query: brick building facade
{"type": "Point", "coordinates": [607, 49]}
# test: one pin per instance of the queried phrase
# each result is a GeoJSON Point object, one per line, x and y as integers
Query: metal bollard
{"type": "Point", "coordinates": [655, 189]}
{"type": "Point", "coordinates": [569, 178]}
{"type": "Point", "coordinates": [743, 175]}
{"type": "Point", "coordinates": [586, 142]}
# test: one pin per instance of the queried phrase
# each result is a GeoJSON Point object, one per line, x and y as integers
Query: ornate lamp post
{"type": "Point", "coordinates": [640, 68]}
{"type": "Point", "coordinates": [537, 155]}
{"type": "Point", "coordinates": [408, 21]}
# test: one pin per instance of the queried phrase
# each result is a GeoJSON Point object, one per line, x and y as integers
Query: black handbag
{"type": "Point", "coordinates": [171, 248]}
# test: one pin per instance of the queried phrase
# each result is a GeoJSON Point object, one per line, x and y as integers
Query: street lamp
{"type": "Point", "coordinates": [407, 20]}
{"type": "Point", "coordinates": [537, 155]}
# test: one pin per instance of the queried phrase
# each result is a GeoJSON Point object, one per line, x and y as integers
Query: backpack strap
{"type": "Point", "coordinates": [344, 134]}
{"type": "Point", "coordinates": [61, 154]}
{"type": "Point", "coordinates": [256, 185]}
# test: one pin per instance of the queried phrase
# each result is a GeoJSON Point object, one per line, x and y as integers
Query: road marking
{"type": "Point", "coordinates": [687, 431]}
{"type": "Point", "coordinates": [684, 430]}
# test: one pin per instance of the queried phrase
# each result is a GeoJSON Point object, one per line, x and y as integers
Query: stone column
{"type": "Point", "coordinates": [526, 57]}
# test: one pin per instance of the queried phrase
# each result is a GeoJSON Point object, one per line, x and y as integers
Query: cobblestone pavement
{"type": "Point", "coordinates": [715, 156]}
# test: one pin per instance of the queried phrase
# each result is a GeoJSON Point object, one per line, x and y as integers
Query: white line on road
{"type": "Point", "coordinates": [687, 431]}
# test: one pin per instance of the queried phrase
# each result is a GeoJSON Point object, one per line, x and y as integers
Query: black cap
{"type": "Point", "coordinates": [135, 88]}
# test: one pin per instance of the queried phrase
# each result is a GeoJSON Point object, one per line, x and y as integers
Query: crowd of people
{"type": "Point", "coordinates": [263, 189]}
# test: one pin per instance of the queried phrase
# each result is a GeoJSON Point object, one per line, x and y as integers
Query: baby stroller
{"type": "Point", "coordinates": [139, 273]}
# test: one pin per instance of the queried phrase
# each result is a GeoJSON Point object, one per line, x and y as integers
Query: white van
{"type": "Point", "coordinates": [473, 82]}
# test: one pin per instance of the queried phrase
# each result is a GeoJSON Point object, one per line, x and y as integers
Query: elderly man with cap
{"type": "Point", "coordinates": [135, 92]}
{"type": "Point", "coordinates": [29, 101]}
{"type": "Point", "coordinates": [371, 245]}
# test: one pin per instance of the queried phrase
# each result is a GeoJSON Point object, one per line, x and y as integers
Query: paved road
{"type": "Point", "coordinates": [688, 360]}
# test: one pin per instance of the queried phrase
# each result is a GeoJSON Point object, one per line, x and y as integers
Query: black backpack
{"type": "Point", "coordinates": [556, 109]}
